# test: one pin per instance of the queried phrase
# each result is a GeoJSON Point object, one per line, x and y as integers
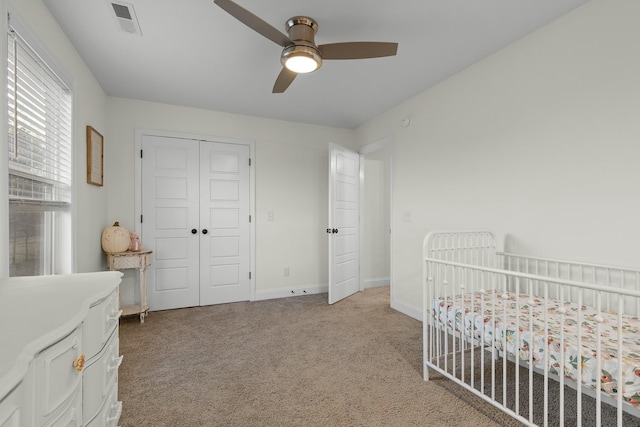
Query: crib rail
{"type": "Point", "coordinates": [605, 275]}
{"type": "Point", "coordinates": [477, 247]}
{"type": "Point", "coordinates": [518, 339]}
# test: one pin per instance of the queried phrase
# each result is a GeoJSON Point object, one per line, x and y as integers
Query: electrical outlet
{"type": "Point", "coordinates": [286, 271]}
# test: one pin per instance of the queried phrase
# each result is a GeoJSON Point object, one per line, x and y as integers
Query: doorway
{"type": "Point", "coordinates": [375, 199]}
{"type": "Point", "coordinates": [359, 218]}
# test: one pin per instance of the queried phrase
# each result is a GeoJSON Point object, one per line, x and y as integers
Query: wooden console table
{"type": "Point", "coordinates": [140, 260]}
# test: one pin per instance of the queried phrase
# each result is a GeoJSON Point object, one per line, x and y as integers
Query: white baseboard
{"type": "Point", "coordinates": [311, 289]}
{"type": "Point", "coordinates": [295, 291]}
{"type": "Point", "coordinates": [376, 282]}
{"type": "Point", "coordinates": [408, 309]}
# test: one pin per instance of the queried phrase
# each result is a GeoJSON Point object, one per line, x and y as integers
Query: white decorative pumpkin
{"type": "Point", "coordinates": [115, 239]}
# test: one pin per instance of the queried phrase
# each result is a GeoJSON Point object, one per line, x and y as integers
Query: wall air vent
{"type": "Point", "coordinates": [125, 16]}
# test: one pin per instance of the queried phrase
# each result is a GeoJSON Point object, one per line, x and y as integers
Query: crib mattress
{"type": "Point", "coordinates": [473, 316]}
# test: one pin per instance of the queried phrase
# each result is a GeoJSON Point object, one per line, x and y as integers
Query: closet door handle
{"type": "Point", "coordinates": [204, 231]}
{"type": "Point", "coordinates": [194, 231]}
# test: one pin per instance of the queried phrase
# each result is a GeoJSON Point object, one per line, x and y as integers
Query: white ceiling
{"type": "Point", "coordinates": [193, 53]}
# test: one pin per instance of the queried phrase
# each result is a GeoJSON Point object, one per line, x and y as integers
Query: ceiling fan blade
{"type": "Point", "coordinates": [253, 22]}
{"type": "Point", "coordinates": [283, 81]}
{"type": "Point", "coordinates": [357, 50]}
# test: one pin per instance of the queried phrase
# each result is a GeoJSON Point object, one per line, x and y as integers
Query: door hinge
{"type": "Point", "coordinates": [249, 161]}
{"type": "Point", "coordinates": [140, 153]}
{"type": "Point", "coordinates": [249, 275]}
{"type": "Point", "coordinates": [140, 219]}
{"type": "Point", "coordinates": [249, 218]}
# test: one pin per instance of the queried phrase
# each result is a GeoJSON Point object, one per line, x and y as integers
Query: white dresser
{"type": "Point", "coordinates": [59, 350]}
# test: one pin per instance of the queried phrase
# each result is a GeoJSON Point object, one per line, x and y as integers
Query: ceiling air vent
{"type": "Point", "coordinates": [126, 17]}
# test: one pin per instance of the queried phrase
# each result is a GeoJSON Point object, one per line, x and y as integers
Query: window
{"type": "Point", "coordinates": [40, 161]}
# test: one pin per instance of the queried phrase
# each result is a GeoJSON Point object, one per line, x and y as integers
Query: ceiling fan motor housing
{"type": "Point", "coordinates": [302, 30]}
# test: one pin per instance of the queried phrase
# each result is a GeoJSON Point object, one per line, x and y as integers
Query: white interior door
{"type": "Point", "coordinates": [224, 213]}
{"type": "Point", "coordinates": [344, 228]}
{"type": "Point", "coordinates": [196, 207]}
{"type": "Point", "coordinates": [170, 208]}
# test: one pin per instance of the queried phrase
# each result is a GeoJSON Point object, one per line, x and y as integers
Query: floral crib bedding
{"type": "Point", "coordinates": [484, 325]}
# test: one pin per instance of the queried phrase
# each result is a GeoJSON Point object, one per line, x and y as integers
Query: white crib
{"type": "Point", "coordinates": [572, 328]}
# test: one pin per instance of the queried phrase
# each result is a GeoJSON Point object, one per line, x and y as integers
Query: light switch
{"type": "Point", "coordinates": [269, 215]}
{"type": "Point", "coordinates": [406, 216]}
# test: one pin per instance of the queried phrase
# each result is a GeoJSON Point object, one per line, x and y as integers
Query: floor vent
{"type": "Point", "coordinates": [126, 17]}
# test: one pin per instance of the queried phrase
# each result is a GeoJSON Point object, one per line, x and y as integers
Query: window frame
{"type": "Point", "coordinates": [60, 225]}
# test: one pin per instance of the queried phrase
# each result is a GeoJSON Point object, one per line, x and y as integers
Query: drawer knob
{"type": "Point", "coordinates": [79, 363]}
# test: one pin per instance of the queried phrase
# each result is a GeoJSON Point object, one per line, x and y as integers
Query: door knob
{"type": "Point", "coordinates": [194, 231]}
{"type": "Point", "coordinates": [335, 231]}
{"type": "Point", "coordinates": [328, 231]}
{"type": "Point", "coordinates": [204, 231]}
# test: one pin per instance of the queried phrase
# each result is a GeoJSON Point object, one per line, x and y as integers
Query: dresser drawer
{"type": "Point", "coordinates": [57, 378]}
{"type": "Point", "coordinates": [100, 376]}
{"type": "Point", "coordinates": [100, 324]}
{"type": "Point", "coordinates": [68, 414]}
{"type": "Point", "coordinates": [125, 260]}
{"type": "Point", "coordinates": [110, 412]}
{"type": "Point", "coordinates": [10, 413]}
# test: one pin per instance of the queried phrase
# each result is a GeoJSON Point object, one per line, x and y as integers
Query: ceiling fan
{"type": "Point", "coordinates": [300, 53]}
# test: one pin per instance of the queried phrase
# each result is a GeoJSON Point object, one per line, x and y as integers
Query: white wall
{"type": "Point", "coordinates": [89, 109]}
{"type": "Point", "coordinates": [539, 142]}
{"type": "Point", "coordinates": [291, 166]}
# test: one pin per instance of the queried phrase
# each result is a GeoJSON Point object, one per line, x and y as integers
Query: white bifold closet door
{"type": "Point", "coordinates": [195, 218]}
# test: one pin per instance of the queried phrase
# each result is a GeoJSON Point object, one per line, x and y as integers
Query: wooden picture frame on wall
{"type": "Point", "coordinates": [95, 157]}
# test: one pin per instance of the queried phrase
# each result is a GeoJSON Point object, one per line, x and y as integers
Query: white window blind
{"type": "Point", "coordinates": [39, 144]}
{"type": "Point", "coordinates": [39, 131]}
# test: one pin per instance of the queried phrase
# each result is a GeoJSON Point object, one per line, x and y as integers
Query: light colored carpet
{"type": "Point", "coordinates": [288, 362]}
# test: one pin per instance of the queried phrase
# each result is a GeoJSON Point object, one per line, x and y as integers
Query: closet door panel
{"type": "Point", "coordinates": [224, 211]}
{"type": "Point", "coordinates": [170, 200]}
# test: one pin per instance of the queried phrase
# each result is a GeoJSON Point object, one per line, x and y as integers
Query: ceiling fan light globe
{"type": "Point", "coordinates": [301, 64]}
{"type": "Point", "coordinates": [301, 59]}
